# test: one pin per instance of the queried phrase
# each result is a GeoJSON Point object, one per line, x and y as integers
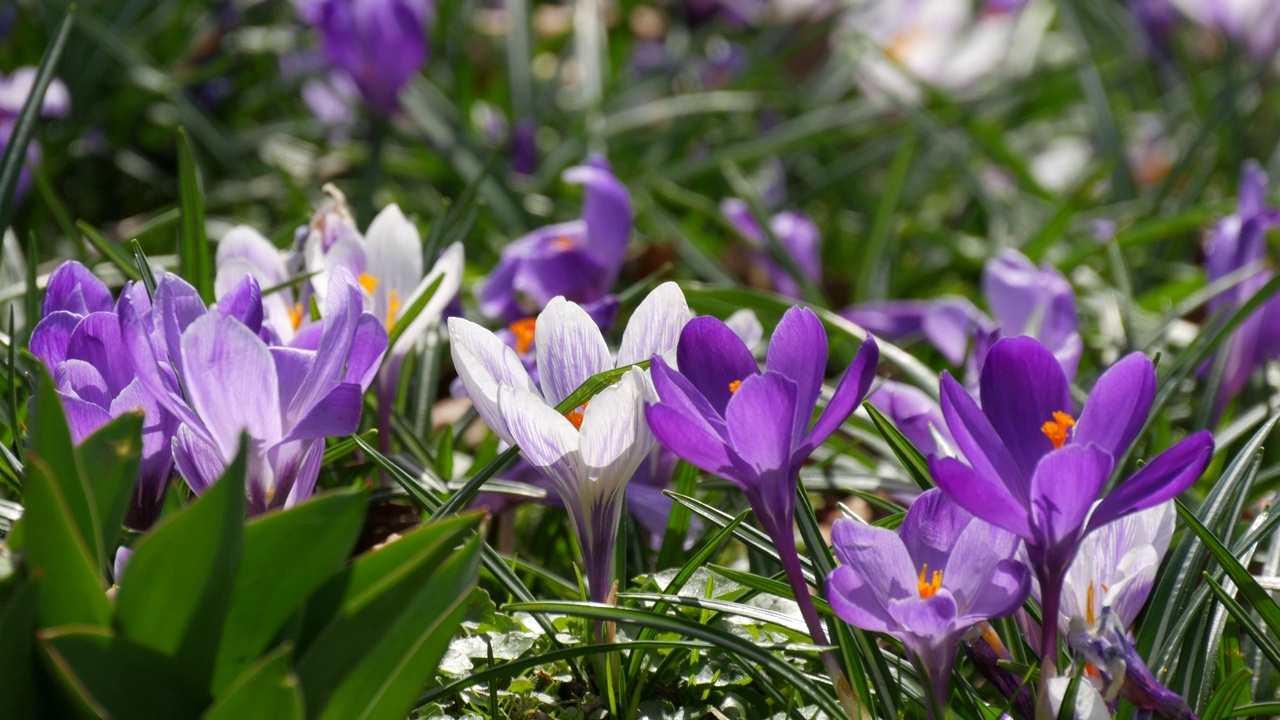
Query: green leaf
{"type": "Point", "coordinates": [71, 587]}
{"type": "Point", "coordinates": [110, 251]}
{"type": "Point", "coordinates": [1258, 599]}
{"type": "Point", "coordinates": [411, 313]}
{"type": "Point", "coordinates": [194, 262]}
{"type": "Point", "coordinates": [1266, 643]}
{"type": "Point", "coordinates": [353, 614]}
{"type": "Point", "coordinates": [51, 443]}
{"type": "Point", "coordinates": [284, 560]}
{"type": "Point", "coordinates": [911, 458]}
{"type": "Point", "coordinates": [266, 689]}
{"type": "Point", "coordinates": [24, 128]}
{"type": "Point", "coordinates": [388, 680]}
{"type": "Point", "coordinates": [178, 585]}
{"type": "Point", "coordinates": [114, 452]}
{"type": "Point", "coordinates": [110, 676]}
{"type": "Point", "coordinates": [17, 632]}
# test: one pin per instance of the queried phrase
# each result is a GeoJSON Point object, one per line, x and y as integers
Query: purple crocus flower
{"type": "Point", "coordinates": [795, 231]}
{"type": "Point", "coordinates": [579, 260]}
{"type": "Point", "coordinates": [916, 415]}
{"type": "Point", "coordinates": [381, 44]}
{"type": "Point", "coordinates": [212, 370]}
{"type": "Point", "coordinates": [1238, 243]}
{"type": "Point", "coordinates": [245, 251]}
{"type": "Point", "coordinates": [590, 454]}
{"type": "Point", "coordinates": [927, 584]}
{"type": "Point", "coordinates": [722, 414]}
{"type": "Point", "coordinates": [78, 340]}
{"type": "Point", "coordinates": [14, 91]}
{"type": "Point", "coordinates": [1036, 471]}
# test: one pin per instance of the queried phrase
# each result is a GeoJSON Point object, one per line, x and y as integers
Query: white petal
{"type": "Point", "coordinates": [1089, 704]}
{"type": "Point", "coordinates": [615, 435]}
{"type": "Point", "coordinates": [655, 327]}
{"type": "Point", "coordinates": [484, 363]}
{"type": "Point", "coordinates": [570, 349]}
{"type": "Point", "coordinates": [449, 269]}
{"type": "Point", "coordinates": [394, 256]}
{"type": "Point", "coordinates": [747, 327]}
{"type": "Point", "coordinates": [546, 438]}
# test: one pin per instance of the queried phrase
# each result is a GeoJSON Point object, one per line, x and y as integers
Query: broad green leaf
{"type": "Point", "coordinates": [110, 457]}
{"type": "Point", "coordinates": [287, 555]}
{"type": "Point", "coordinates": [17, 635]}
{"type": "Point", "coordinates": [24, 127]}
{"type": "Point", "coordinates": [51, 443]}
{"type": "Point", "coordinates": [266, 689]}
{"type": "Point", "coordinates": [71, 586]}
{"type": "Point", "coordinates": [177, 588]}
{"type": "Point", "coordinates": [385, 684]}
{"type": "Point", "coordinates": [194, 257]}
{"type": "Point", "coordinates": [350, 616]}
{"type": "Point", "coordinates": [109, 676]}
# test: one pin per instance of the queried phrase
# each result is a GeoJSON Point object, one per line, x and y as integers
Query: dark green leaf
{"type": "Point", "coordinates": [266, 689]}
{"type": "Point", "coordinates": [194, 257]}
{"type": "Point", "coordinates": [113, 454]}
{"type": "Point", "coordinates": [911, 458]}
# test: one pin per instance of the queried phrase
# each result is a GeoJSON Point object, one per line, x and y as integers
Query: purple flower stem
{"type": "Point", "coordinates": [1051, 599]}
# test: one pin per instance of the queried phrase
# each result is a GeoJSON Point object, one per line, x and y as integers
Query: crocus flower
{"type": "Point", "coordinates": [78, 339]}
{"type": "Point", "coordinates": [1238, 243]}
{"type": "Point", "coordinates": [579, 260]}
{"type": "Point", "coordinates": [1102, 594]}
{"type": "Point", "coordinates": [797, 234]}
{"type": "Point", "coordinates": [212, 370]}
{"type": "Point", "coordinates": [245, 251]}
{"type": "Point", "coordinates": [722, 414]}
{"type": "Point", "coordinates": [927, 584]}
{"type": "Point", "coordinates": [14, 91]}
{"type": "Point", "coordinates": [1036, 471]}
{"type": "Point", "coordinates": [381, 44]}
{"type": "Point", "coordinates": [916, 415]}
{"type": "Point", "coordinates": [1255, 23]}
{"type": "Point", "coordinates": [590, 453]}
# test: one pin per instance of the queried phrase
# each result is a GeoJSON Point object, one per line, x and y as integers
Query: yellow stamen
{"type": "Point", "coordinates": [368, 282]}
{"type": "Point", "coordinates": [1056, 429]}
{"type": "Point", "coordinates": [899, 48]}
{"type": "Point", "coordinates": [393, 309]}
{"type": "Point", "coordinates": [271, 493]}
{"type": "Point", "coordinates": [1089, 607]}
{"type": "Point", "coordinates": [929, 589]}
{"type": "Point", "coordinates": [295, 315]}
{"type": "Point", "coordinates": [564, 242]}
{"type": "Point", "coordinates": [523, 330]}
{"type": "Point", "coordinates": [575, 416]}
{"type": "Point", "coordinates": [733, 386]}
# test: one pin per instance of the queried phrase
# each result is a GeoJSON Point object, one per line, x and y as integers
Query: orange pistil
{"type": "Point", "coordinates": [733, 386]}
{"type": "Point", "coordinates": [1056, 429]}
{"type": "Point", "coordinates": [295, 315]}
{"type": "Point", "coordinates": [393, 309]}
{"type": "Point", "coordinates": [929, 589]}
{"type": "Point", "coordinates": [564, 242]}
{"type": "Point", "coordinates": [368, 282]}
{"type": "Point", "coordinates": [523, 330]}
{"type": "Point", "coordinates": [575, 416]}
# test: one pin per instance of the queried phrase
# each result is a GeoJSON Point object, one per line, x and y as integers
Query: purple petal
{"type": "Point", "coordinates": [849, 393]}
{"type": "Point", "coordinates": [368, 347]}
{"type": "Point", "coordinates": [341, 314]}
{"type": "Point", "coordinates": [1165, 477]}
{"type": "Point", "coordinates": [96, 340]}
{"type": "Point", "coordinates": [198, 461]}
{"type": "Point", "coordinates": [980, 493]}
{"type": "Point", "coordinates": [949, 325]}
{"type": "Point", "coordinates": [712, 357]}
{"type": "Point", "coordinates": [933, 618]}
{"type": "Point", "coordinates": [231, 380]}
{"type": "Point", "coordinates": [83, 417]}
{"type": "Point", "coordinates": [74, 288]}
{"type": "Point", "coordinates": [1118, 405]}
{"type": "Point", "coordinates": [877, 555]}
{"type": "Point", "coordinates": [546, 439]}
{"type": "Point", "coordinates": [244, 303]}
{"type": "Point", "coordinates": [1022, 387]}
{"type": "Point", "coordinates": [853, 600]}
{"type": "Point", "coordinates": [176, 306]}
{"type": "Point", "coordinates": [82, 380]}
{"type": "Point", "coordinates": [1063, 489]}
{"type": "Point", "coordinates": [913, 412]}
{"type": "Point", "coordinates": [676, 391]}
{"type": "Point", "coordinates": [798, 352]}
{"type": "Point", "coordinates": [978, 441]}
{"type": "Point", "coordinates": [306, 469]}
{"type": "Point", "coordinates": [759, 422]}
{"type": "Point", "coordinates": [50, 337]}
{"type": "Point", "coordinates": [679, 433]}
{"type": "Point", "coordinates": [891, 320]}
{"type": "Point", "coordinates": [337, 413]}
{"type": "Point", "coordinates": [606, 210]}
{"type": "Point", "coordinates": [931, 528]}
{"type": "Point", "coordinates": [569, 349]}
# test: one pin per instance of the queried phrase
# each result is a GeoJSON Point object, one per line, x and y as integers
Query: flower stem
{"type": "Point", "coordinates": [1050, 599]}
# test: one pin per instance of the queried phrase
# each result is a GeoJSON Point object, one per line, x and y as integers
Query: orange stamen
{"type": "Point", "coordinates": [1089, 606]}
{"type": "Point", "coordinates": [733, 386]}
{"type": "Point", "coordinates": [929, 589]}
{"type": "Point", "coordinates": [295, 315]}
{"type": "Point", "coordinates": [1056, 429]}
{"type": "Point", "coordinates": [393, 309]}
{"type": "Point", "coordinates": [575, 416]}
{"type": "Point", "coordinates": [564, 242]}
{"type": "Point", "coordinates": [523, 330]}
{"type": "Point", "coordinates": [368, 282]}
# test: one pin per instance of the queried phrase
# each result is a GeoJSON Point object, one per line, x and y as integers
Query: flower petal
{"type": "Point", "coordinates": [654, 328]}
{"type": "Point", "coordinates": [74, 288]}
{"type": "Point", "coordinates": [448, 270]}
{"type": "Point", "coordinates": [759, 422]}
{"type": "Point", "coordinates": [606, 210]}
{"type": "Point", "coordinates": [244, 303]}
{"type": "Point", "coordinates": [853, 601]}
{"type": "Point", "coordinates": [484, 363]}
{"type": "Point", "coordinates": [712, 357]}
{"type": "Point", "coordinates": [931, 528]}
{"type": "Point", "coordinates": [1164, 478]}
{"type": "Point", "coordinates": [932, 619]}
{"type": "Point", "coordinates": [692, 441]}
{"type": "Point", "coordinates": [50, 337]}
{"type": "Point", "coordinates": [393, 249]}
{"type": "Point", "coordinates": [1118, 405]}
{"type": "Point", "coordinates": [615, 438]}
{"type": "Point", "coordinates": [981, 494]}
{"type": "Point", "coordinates": [879, 556]}
{"type": "Point", "coordinates": [198, 461]}
{"type": "Point", "coordinates": [798, 351]}
{"type": "Point", "coordinates": [849, 393]}
{"type": "Point", "coordinates": [546, 439]}
{"type": "Point", "coordinates": [1022, 386]}
{"type": "Point", "coordinates": [1063, 489]}
{"type": "Point", "coordinates": [569, 349]}
{"type": "Point", "coordinates": [978, 441]}
{"type": "Point", "coordinates": [231, 380]}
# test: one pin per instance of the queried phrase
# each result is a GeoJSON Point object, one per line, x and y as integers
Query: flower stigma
{"type": "Point", "coordinates": [393, 309]}
{"type": "Point", "coordinates": [295, 315]}
{"type": "Point", "coordinates": [733, 386]}
{"type": "Point", "coordinates": [575, 416]}
{"type": "Point", "coordinates": [1056, 429]}
{"type": "Point", "coordinates": [523, 331]}
{"type": "Point", "coordinates": [929, 589]}
{"type": "Point", "coordinates": [368, 282]}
